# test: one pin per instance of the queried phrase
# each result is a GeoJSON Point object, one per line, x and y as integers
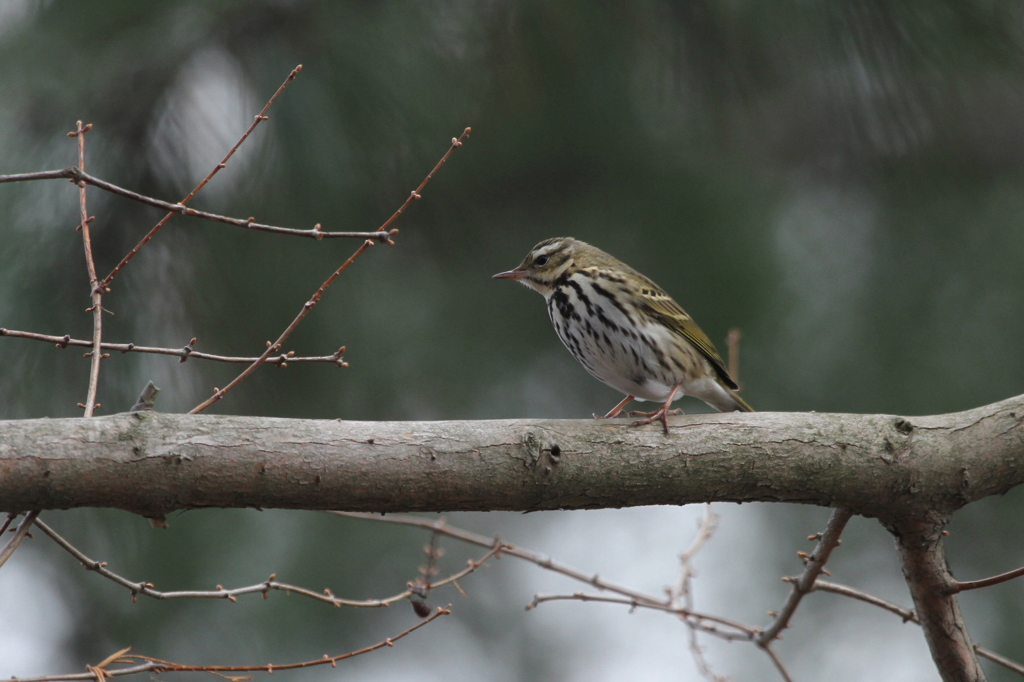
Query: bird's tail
{"type": "Point", "coordinates": [741, 404]}
{"type": "Point", "coordinates": [719, 396]}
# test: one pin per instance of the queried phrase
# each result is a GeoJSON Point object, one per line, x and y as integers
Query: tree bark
{"type": "Point", "coordinates": [923, 558]}
{"type": "Point", "coordinates": [881, 466]}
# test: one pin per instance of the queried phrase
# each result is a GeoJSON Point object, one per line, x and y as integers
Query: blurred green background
{"type": "Point", "coordinates": [844, 181]}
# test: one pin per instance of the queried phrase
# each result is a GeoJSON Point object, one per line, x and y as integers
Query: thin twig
{"type": "Point", "coordinates": [311, 303]}
{"type": "Point", "coordinates": [778, 663]}
{"type": "Point", "coordinates": [815, 563]}
{"type": "Point", "coordinates": [423, 584]}
{"type": "Point", "coordinates": [640, 600]}
{"type": "Point", "coordinates": [19, 534]}
{"type": "Point", "coordinates": [511, 550]}
{"type": "Point", "coordinates": [908, 615]}
{"type": "Point", "coordinates": [157, 666]}
{"type": "Point", "coordinates": [732, 342]}
{"type": "Point", "coordinates": [183, 353]}
{"type": "Point", "coordinates": [259, 118]}
{"type": "Point", "coordinates": [440, 526]}
{"type": "Point", "coordinates": [76, 175]}
{"type": "Point", "coordinates": [276, 346]}
{"type": "Point", "coordinates": [97, 292]}
{"type": "Point", "coordinates": [681, 595]}
{"type": "Point", "coordinates": [1001, 660]}
{"type": "Point", "coordinates": [148, 590]}
{"type": "Point", "coordinates": [961, 586]}
{"type": "Point", "coordinates": [62, 174]}
{"type": "Point", "coordinates": [695, 618]}
{"type": "Point", "coordinates": [417, 193]}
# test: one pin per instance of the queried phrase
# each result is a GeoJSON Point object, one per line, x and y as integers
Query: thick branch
{"type": "Point", "coordinates": [874, 465]}
{"type": "Point", "coordinates": [919, 543]}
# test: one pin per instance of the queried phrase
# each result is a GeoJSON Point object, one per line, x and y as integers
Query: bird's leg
{"type": "Point", "coordinates": [617, 410]}
{"type": "Point", "coordinates": [661, 413]}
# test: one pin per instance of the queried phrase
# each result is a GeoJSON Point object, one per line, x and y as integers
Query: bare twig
{"type": "Point", "coordinates": [544, 562]}
{"type": "Point", "coordinates": [778, 663]}
{"type": "Point", "coordinates": [732, 342]}
{"type": "Point", "coordinates": [423, 584]}
{"type": "Point", "coordinates": [275, 347]}
{"type": "Point", "coordinates": [76, 175]}
{"type": "Point", "coordinates": [846, 591]}
{"type": "Point", "coordinates": [311, 303]}
{"type": "Point", "coordinates": [97, 291]}
{"type": "Point", "coordinates": [815, 563]}
{"type": "Point", "coordinates": [183, 353]}
{"type": "Point", "coordinates": [634, 597]}
{"type": "Point", "coordinates": [19, 534]}
{"type": "Point", "coordinates": [417, 193]}
{"type": "Point", "coordinates": [962, 586]}
{"type": "Point", "coordinates": [259, 118]}
{"type": "Point", "coordinates": [681, 595]}
{"type": "Point", "coordinates": [148, 590]}
{"type": "Point", "coordinates": [908, 615]}
{"type": "Point", "coordinates": [1001, 660]}
{"type": "Point", "coordinates": [705, 621]}
{"type": "Point", "coordinates": [62, 174]}
{"type": "Point", "coordinates": [157, 666]}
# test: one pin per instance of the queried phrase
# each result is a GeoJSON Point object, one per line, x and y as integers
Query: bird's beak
{"type": "Point", "coordinates": [516, 274]}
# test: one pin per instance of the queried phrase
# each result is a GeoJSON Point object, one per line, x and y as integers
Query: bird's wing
{"type": "Point", "coordinates": [661, 306]}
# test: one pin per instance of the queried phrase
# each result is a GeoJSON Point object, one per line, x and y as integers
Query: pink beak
{"type": "Point", "coordinates": [511, 274]}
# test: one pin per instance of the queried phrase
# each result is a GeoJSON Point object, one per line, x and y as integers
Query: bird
{"type": "Point", "coordinates": [625, 330]}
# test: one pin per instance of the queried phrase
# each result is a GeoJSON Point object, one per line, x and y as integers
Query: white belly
{"type": "Point", "coordinates": [639, 359]}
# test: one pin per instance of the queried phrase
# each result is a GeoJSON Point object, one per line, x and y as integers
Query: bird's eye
{"type": "Point", "coordinates": [540, 261]}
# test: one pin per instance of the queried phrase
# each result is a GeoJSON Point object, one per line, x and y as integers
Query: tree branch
{"type": "Point", "coordinates": [274, 348]}
{"type": "Point", "coordinates": [156, 666]}
{"type": "Point", "coordinates": [908, 615]}
{"type": "Point", "coordinates": [961, 586]}
{"type": "Point", "coordinates": [19, 534]}
{"type": "Point", "coordinates": [97, 291]}
{"type": "Point", "coordinates": [919, 542]}
{"type": "Point", "coordinates": [183, 353]}
{"type": "Point", "coordinates": [874, 465]}
{"type": "Point", "coordinates": [147, 589]}
{"type": "Point", "coordinates": [803, 585]}
{"type": "Point", "coordinates": [78, 176]}
{"type": "Point", "coordinates": [257, 119]}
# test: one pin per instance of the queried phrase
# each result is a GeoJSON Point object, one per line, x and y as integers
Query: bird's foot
{"type": "Point", "coordinates": [660, 414]}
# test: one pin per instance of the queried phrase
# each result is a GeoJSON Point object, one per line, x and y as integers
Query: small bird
{"type": "Point", "coordinates": [625, 329]}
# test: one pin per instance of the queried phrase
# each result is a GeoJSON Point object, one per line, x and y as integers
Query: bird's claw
{"type": "Point", "coordinates": [658, 415]}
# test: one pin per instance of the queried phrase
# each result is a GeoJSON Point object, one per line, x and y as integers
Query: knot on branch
{"type": "Point", "coordinates": [187, 349]}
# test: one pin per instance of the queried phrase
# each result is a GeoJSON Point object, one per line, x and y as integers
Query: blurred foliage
{"type": "Point", "coordinates": [841, 180]}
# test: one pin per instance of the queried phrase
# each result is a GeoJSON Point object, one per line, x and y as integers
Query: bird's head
{"type": "Point", "coordinates": [546, 262]}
